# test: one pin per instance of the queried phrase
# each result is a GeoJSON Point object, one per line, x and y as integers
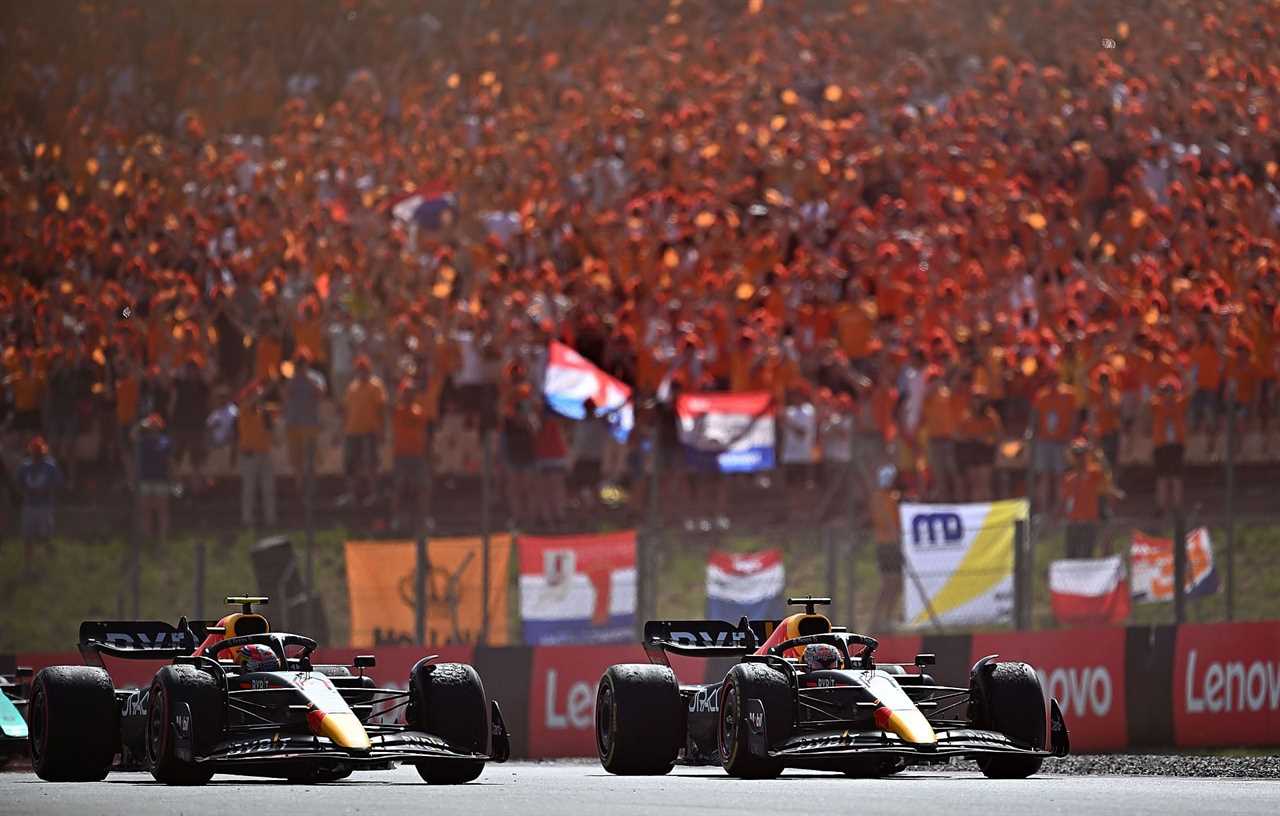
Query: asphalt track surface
{"type": "Point", "coordinates": [583, 789]}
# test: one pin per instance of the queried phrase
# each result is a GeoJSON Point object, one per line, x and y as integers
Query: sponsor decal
{"type": "Point", "coordinates": [135, 705]}
{"type": "Point", "coordinates": [705, 701]}
{"type": "Point", "coordinates": [937, 530]}
{"type": "Point", "coordinates": [1226, 686]}
{"type": "Point", "coordinates": [700, 638]}
{"type": "Point", "coordinates": [1083, 669]}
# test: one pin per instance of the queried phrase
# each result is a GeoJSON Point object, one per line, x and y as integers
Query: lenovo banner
{"type": "Point", "coordinates": [562, 694]}
{"type": "Point", "coordinates": [1084, 669]}
{"type": "Point", "coordinates": [1226, 684]}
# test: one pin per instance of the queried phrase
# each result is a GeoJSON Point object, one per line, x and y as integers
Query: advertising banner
{"type": "Point", "coordinates": [732, 433]}
{"type": "Point", "coordinates": [381, 590]}
{"type": "Point", "coordinates": [1152, 560]}
{"type": "Point", "coordinates": [578, 589]}
{"type": "Point", "coordinates": [958, 561]}
{"type": "Point", "coordinates": [750, 584]}
{"type": "Point", "coordinates": [1084, 669]}
{"type": "Point", "coordinates": [1226, 684]}
{"type": "Point", "coordinates": [1089, 590]}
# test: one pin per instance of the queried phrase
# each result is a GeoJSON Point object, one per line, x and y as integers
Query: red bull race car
{"type": "Point", "coordinates": [806, 694]}
{"type": "Point", "coordinates": [239, 698]}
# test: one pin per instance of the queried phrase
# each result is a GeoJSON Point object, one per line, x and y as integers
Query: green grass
{"type": "Point", "coordinates": [84, 580]}
{"type": "Point", "coordinates": [90, 580]}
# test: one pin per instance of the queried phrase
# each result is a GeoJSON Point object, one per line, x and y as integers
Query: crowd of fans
{"type": "Point", "coordinates": [926, 228]}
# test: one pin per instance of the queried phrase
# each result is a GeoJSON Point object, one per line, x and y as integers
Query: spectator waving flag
{"type": "Point", "coordinates": [426, 208]}
{"type": "Point", "coordinates": [732, 433]}
{"type": "Point", "coordinates": [749, 584]}
{"type": "Point", "coordinates": [1089, 590]}
{"type": "Point", "coordinates": [572, 379]}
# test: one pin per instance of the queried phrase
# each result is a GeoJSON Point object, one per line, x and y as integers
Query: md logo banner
{"type": "Point", "coordinates": [958, 562]}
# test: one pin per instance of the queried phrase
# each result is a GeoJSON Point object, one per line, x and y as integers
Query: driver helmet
{"type": "Point", "coordinates": [258, 658]}
{"type": "Point", "coordinates": [821, 656]}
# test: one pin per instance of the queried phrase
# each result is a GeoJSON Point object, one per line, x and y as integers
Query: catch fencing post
{"type": "Point", "coordinates": [420, 587]}
{"type": "Point", "coordinates": [486, 466]}
{"type": "Point", "coordinates": [1229, 508]}
{"type": "Point", "coordinates": [648, 544]}
{"type": "Point", "coordinates": [1021, 575]}
{"type": "Point", "coordinates": [198, 571]}
{"type": "Point", "coordinates": [135, 573]}
{"type": "Point", "coordinates": [833, 566]}
{"type": "Point", "coordinates": [1179, 567]}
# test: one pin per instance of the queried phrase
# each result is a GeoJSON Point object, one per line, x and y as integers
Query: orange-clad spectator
{"type": "Point", "coordinates": [980, 430]}
{"type": "Point", "coordinates": [268, 349]}
{"type": "Point", "coordinates": [27, 387]}
{"type": "Point", "coordinates": [257, 471]}
{"type": "Point", "coordinates": [938, 421]}
{"type": "Point", "coordinates": [127, 384]}
{"type": "Point", "coordinates": [309, 332]}
{"type": "Point", "coordinates": [1053, 421]}
{"type": "Point", "coordinates": [1084, 486]}
{"type": "Point", "coordinates": [1241, 386]}
{"type": "Point", "coordinates": [1169, 433]}
{"type": "Point", "coordinates": [886, 530]}
{"type": "Point", "coordinates": [1104, 412]}
{"type": "Point", "coordinates": [409, 448]}
{"type": "Point", "coordinates": [1207, 365]}
{"type": "Point", "coordinates": [364, 408]}
{"type": "Point", "coordinates": [855, 328]}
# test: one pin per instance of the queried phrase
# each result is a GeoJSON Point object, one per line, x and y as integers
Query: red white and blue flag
{"type": "Point", "coordinates": [1089, 590]}
{"type": "Point", "coordinates": [426, 208]}
{"type": "Point", "coordinates": [578, 589]}
{"type": "Point", "coordinates": [731, 433]}
{"type": "Point", "coordinates": [571, 379]}
{"type": "Point", "coordinates": [750, 584]}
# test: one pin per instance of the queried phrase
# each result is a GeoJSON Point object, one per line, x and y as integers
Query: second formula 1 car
{"type": "Point", "coordinates": [239, 698]}
{"type": "Point", "coordinates": [14, 690]}
{"type": "Point", "coordinates": [807, 694]}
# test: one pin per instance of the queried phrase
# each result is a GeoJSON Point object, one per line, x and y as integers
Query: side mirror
{"type": "Point", "coordinates": [926, 659]}
{"type": "Point", "coordinates": [365, 661]}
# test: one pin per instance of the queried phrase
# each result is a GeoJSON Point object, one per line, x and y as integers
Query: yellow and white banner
{"type": "Point", "coordinates": [958, 561]}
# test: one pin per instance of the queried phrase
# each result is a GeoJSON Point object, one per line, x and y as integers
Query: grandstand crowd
{"type": "Point", "coordinates": [947, 235]}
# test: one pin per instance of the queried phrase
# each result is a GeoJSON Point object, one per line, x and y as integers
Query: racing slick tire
{"type": "Point", "coordinates": [172, 687]}
{"type": "Point", "coordinates": [1012, 704]}
{"type": "Point", "coordinates": [640, 720]}
{"type": "Point", "coordinates": [74, 724]}
{"type": "Point", "coordinates": [744, 682]}
{"type": "Point", "coordinates": [447, 700]}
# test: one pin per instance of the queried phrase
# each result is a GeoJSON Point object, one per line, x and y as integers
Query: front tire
{"type": "Point", "coordinates": [447, 700]}
{"type": "Point", "coordinates": [744, 682]}
{"type": "Point", "coordinates": [172, 687]}
{"type": "Point", "coordinates": [74, 724]}
{"type": "Point", "coordinates": [640, 720]}
{"type": "Point", "coordinates": [1013, 705]}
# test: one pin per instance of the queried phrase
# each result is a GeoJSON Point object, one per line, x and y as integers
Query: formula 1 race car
{"type": "Point", "coordinates": [247, 700]}
{"type": "Point", "coordinates": [775, 709]}
{"type": "Point", "coordinates": [14, 690]}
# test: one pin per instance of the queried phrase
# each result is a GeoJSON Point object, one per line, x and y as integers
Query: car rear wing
{"type": "Point", "coordinates": [703, 638]}
{"type": "Point", "coordinates": [140, 640]}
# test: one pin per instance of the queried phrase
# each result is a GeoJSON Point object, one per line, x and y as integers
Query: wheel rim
{"type": "Point", "coordinates": [604, 720]}
{"type": "Point", "coordinates": [155, 723]}
{"type": "Point", "coordinates": [39, 723]}
{"type": "Point", "coordinates": [728, 721]}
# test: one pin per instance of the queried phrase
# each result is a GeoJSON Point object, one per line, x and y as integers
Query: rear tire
{"type": "Point", "coordinates": [1013, 706]}
{"type": "Point", "coordinates": [447, 700]}
{"type": "Point", "coordinates": [640, 720]}
{"type": "Point", "coordinates": [744, 682]}
{"type": "Point", "coordinates": [74, 724]}
{"type": "Point", "coordinates": [173, 686]}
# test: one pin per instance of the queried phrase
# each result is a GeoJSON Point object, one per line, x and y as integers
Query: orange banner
{"type": "Point", "coordinates": [381, 578]}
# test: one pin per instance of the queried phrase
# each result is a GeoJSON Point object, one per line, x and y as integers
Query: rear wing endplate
{"type": "Point", "coordinates": [139, 640]}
